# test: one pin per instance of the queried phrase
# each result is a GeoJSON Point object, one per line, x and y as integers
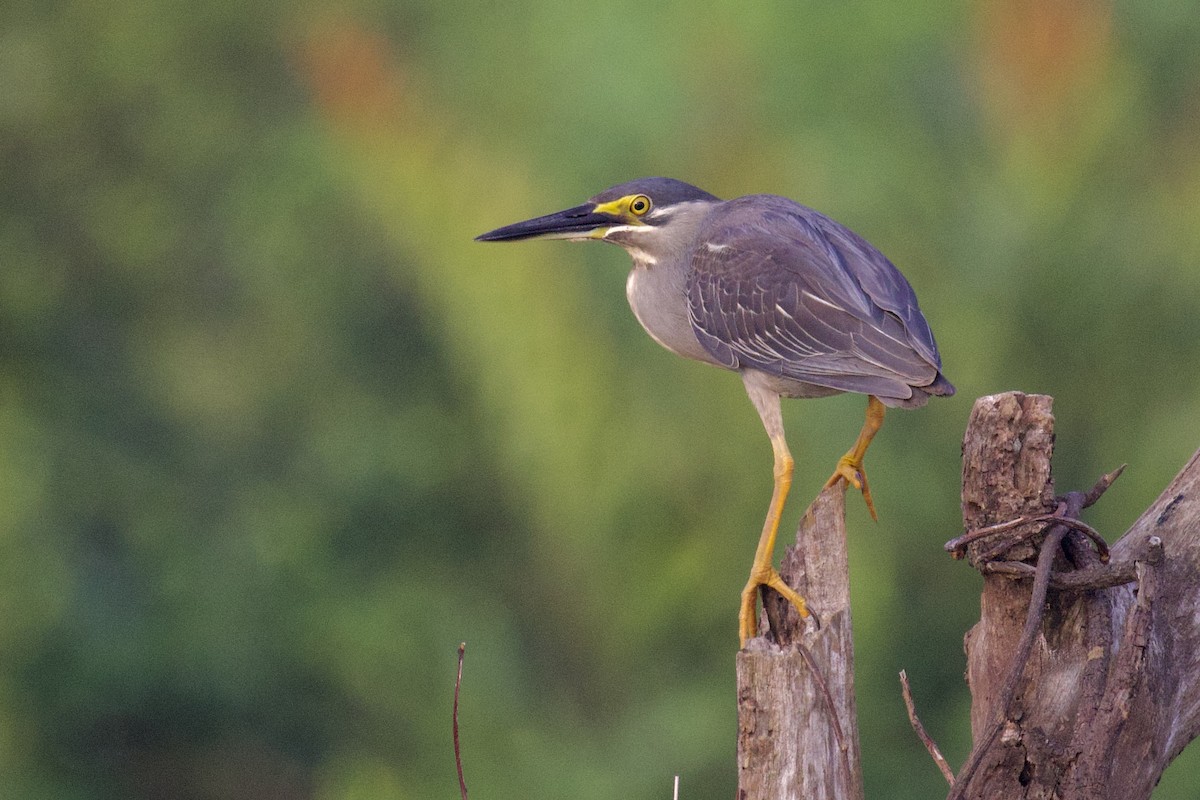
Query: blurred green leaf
{"type": "Point", "coordinates": [278, 434]}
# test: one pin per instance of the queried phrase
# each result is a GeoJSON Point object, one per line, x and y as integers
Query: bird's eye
{"type": "Point", "coordinates": [639, 205]}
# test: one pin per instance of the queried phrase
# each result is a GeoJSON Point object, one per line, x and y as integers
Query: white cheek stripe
{"type": "Point", "coordinates": [641, 257]}
{"type": "Point", "coordinates": [639, 229]}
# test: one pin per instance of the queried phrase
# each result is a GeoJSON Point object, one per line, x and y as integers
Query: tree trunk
{"type": "Point", "coordinates": [1108, 694]}
{"type": "Point", "coordinates": [1087, 692]}
{"type": "Point", "coordinates": [797, 723]}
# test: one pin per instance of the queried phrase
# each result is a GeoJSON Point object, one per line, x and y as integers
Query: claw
{"type": "Point", "coordinates": [851, 470]}
{"type": "Point", "coordinates": [747, 619]}
{"type": "Point", "coordinates": [850, 466]}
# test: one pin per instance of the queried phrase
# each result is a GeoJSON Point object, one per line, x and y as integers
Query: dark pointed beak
{"type": "Point", "coordinates": [574, 223]}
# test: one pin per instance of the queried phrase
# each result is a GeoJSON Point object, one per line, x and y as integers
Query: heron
{"type": "Point", "coordinates": [796, 303]}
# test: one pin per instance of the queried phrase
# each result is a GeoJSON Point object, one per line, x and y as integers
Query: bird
{"type": "Point", "coordinates": [796, 303]}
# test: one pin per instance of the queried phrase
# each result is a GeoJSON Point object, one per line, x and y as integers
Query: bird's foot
{"type": "Point", "coordinates": [850, 469]}
{"type": "Point", "coordinates": [768, 576]}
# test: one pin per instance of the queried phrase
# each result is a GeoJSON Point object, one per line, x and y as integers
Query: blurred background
{"type": "Point", "coordinates": [276, 434]}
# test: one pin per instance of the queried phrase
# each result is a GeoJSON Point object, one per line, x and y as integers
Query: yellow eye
{"type": "Point", "coordinates": [639, 205]}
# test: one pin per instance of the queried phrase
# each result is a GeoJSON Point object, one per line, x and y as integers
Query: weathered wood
{"type": "Point", "coordinates": [797, 723]}
{"type": "Point", "coordinates": [1108, 695]}
{"type": "Point", "coordinates": [1006, 474]}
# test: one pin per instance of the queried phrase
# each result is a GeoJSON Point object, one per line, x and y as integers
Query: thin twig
{"type": "Point", "coordinates": [1088, 531]}
{"type": "Point", "coordinates": [1101, 486]}
{"type": "Point", "coordinates": [843, 748]}
{"type": "Point", "coordinates": [957, 547]}
{"type": "Point", "coordinates": [1098, 576]}
{"type": "Point", "coordinates": [1075, 524]}
{"type": "Point", "coordinates": [1081, 580]}
{"type": "Point", "coordinates": [462, 784]}
{"type": "Point", "coordinates": [919, 729]}
{"type": "Point", "coordinates": [1033, 621]}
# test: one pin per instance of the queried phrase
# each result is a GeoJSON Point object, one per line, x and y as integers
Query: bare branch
{"type": "Point", "coordinates": [957, 547]}
{"type": "Point", "coordinates": [462, 784]}
{"type": "Point", "coordinates": [930, 745]}
{"type": "Point", "coordinates": [1094, 694]}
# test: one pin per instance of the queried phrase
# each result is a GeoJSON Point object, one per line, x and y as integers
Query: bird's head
{"type": "Point", "coordinates": [648, 217]}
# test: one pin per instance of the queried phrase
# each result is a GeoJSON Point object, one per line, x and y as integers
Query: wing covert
{"type": "Point", "coordinates": [785, 290]}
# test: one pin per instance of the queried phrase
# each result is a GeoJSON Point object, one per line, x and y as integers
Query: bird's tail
{"type": "Point", "coordinates": [940, 387]}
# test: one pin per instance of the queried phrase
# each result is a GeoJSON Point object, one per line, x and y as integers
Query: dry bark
{"type": "Point", "coordinates": [797, 724]}
{"type": "Point", "coordinates": [1087, 692]}
{"type": "Point", "coordinates": [1108, 695]}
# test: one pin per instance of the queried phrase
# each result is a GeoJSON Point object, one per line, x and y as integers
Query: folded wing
{"type": "Point", "coordinates": [783, 289]}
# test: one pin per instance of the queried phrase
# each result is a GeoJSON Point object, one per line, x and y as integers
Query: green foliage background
{"type": "Point", "coordinates": [276, 435]}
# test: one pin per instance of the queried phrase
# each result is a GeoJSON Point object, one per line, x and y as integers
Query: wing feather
{"type": "Point", "coordinates": [786, 290]}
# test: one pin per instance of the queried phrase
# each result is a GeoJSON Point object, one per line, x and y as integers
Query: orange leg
{"type": "Point", "coordinates": [763, 573]}
{"type": "Point", "coordinates": [850, 466]}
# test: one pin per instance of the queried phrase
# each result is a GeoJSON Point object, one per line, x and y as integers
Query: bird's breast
{"type": "Point", "coordinates": [658, 296]}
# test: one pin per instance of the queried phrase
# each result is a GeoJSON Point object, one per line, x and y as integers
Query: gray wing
{"type": "Point", "coordinates": [786, 290]}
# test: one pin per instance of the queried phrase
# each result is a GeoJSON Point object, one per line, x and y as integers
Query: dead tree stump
{"type": "Point", "coordinates": [1107, 693]}
{"type": "Point", "coordinates": [1084, 672]}
{"type": "Point", "coordinates": [797, 723]}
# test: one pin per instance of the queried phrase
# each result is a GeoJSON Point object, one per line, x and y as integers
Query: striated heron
{"type": "Point", "coordinates": [796, 303]}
